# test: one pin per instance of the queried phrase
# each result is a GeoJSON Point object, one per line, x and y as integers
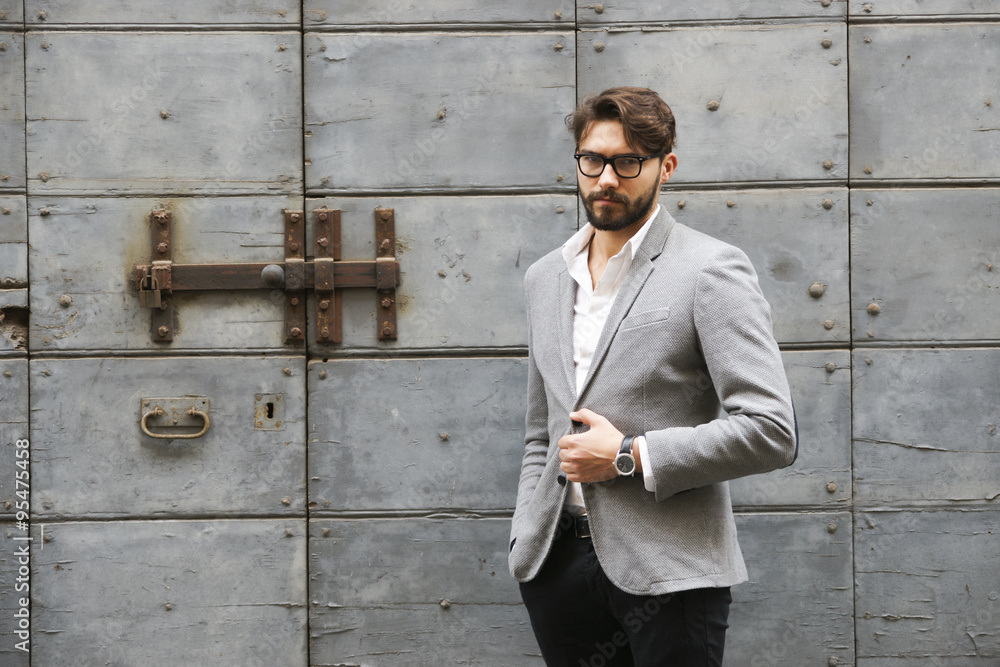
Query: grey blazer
{"type": "Point", "coordinates": [688, 339]}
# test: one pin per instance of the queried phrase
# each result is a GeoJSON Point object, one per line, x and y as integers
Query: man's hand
{"type": "Point", "coordinates": [590, 456]}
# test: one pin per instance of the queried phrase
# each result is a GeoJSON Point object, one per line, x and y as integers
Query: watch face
{"type": "Point", "coordinates": [625, 464]}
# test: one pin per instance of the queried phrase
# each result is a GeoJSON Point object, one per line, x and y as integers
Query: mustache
{"type": "Point", "coordinates": [607, 194]}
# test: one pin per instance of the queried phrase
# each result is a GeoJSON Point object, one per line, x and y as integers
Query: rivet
{"type": "Point", "coordinates": [385, 216]}
{"type": "Point", "coordinates": [874, 309]}
{"type": "Point", "coordinates": [713, 105]}
{"type": "Point", "coordinates": [558, 14]}
{"type": "Point", "coordinates": [825, 3]}
{"type": "Point", "coordinates": [65, 301]}
{"type": "Point", "coordinates": [442, 273]}
{"type": "Point", "coordinates": [168, 607]}
{"type": "Point", "coordinates": [288, 371]}
{"type": "Point", "coordinates": [445, 604]}
{"type": "Point", "coordinates": [832, 662]}
{"type": "Point", "coordinates": [281, 47]}
{"type": "Point", "coordinates": [443, 437]}
{"type": "Point", "coordinates": [161, 217]}
{"type": "Point", "coordinates": [294, 247]}
{"type": "Point", "coordinates": [294, 217]}
{"type": "Point", "coordinates": [830, 367]}
{"type": "Point", "coordinates": [294, 301]}
{"type": "Point", "coordinates": [989, 267]}
{"type": "Point", "coordinates": [831, 528]}
{"type": "Point", "coordinates": [4, 177]}
{"type": "Point", "coordinates": [326, 532]}
{"type": "Point", "coordinates": [164, 114]}
{"type": "Point", "coordinates": [323, 216]}
{"type": "Point", "coordinates": [384, 245]}
{"type": "Point", "coordinates": [47, 373]}
{"type": "Point", "coordinates": [322, 242]}
{"type": "Point", "coordinates": [42, 16]}
{"type": "Point", "coordinates": [828, 204]}
{"type": "Point", "coordinates": [868, 40]}
{"type": "Point", "coordinates": [835, 62]}
{"type": "Point", "coordinates": [161, 247]}
{"type": "Point", "coordinates": [324, 304]}
{"type": "Point", "coordinates": [289, 533]}
{"type": "Point", "coordinates": [871, 334]}
{"type": "Point", "coordinates": [831, 488]}
{"type": "Point", "coordinates": [559, 178]}
{"type": "Point", "coordinates": [828, 164]}
{"type": "Point", "coordinates": [296, 332]}
{"type": "Point", "coordinates": [386, 331]}
{"type": "Point", "coordinates": [286, 501]}
{"type": "Point", "coordinates": [44, 177]}
{"type": "Point", "coordinates": [731, 204]}
{"type": "Point", "coordinates": [868, 169]}
{"type": "Point", "coordinates": [444, 112]}
{"type": "Point", "coordinates": [867, 7]}
{"type": "Point", "coordinates": [322, 375]}
{"type": "Point", "coordinates": [324, 333]}
{"type": "Point", "coordinates": [558, 47]}
{"type": "Point", "coordinates": [6, 211]}
{"type": "Point", "coordinates": [599, 46]}
{"type": "Point", "coordinates": [827, 43]}
{"type": "Point", "coordinates": [322, 47]}
{"type": "Point", "coordinates": [869, 202]}
{"type": "Point", "coordinates": [599, 9]}
{"type": "Point", "coordinates": [828, 324]}
{"type": "Point", "coordinates": [163, 331]}
{"type": "Point", "coordinates": [8, 374]}
{"type": "Point", "coordinates": [43, 211]}
{"type": "Point", "coordinates": [258, 397]}
{"type": "Point", "coordinates": [386, 302]}
{"type": "Point", "coordinates": [560, 210]}
{"type": "Point", "coordinates": [3, 46]}
{"type": "Point", "coordinates": [816, 290]}
{"type": "Point", "coordinates": [868, 361]}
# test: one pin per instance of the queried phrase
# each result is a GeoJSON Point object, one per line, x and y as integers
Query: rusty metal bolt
{"type": "Point", "coordinates": [294, 247]}
{"type": "Point", "coordinates": [294, 217]}
{"type": "Point", "coordinates": [296, 332]}
{"type": "Point", "coordinates": [286, 501]}
{"type": "Point", "coordinates": [867, 7]}
{"type": "Point", "coordinates": [825, 3]}
{"type": "Point", "coordinates": [294, 301]}
{"type": "Point", "coordinates": [831, 488]}
{"type": "Point", "coordinates": [713, 105]}
{"type": "Point", "coordinates": [557, 15]}
{"type": "Point", "coordinates": [3, 46]}
{"type": "Point", "coordinates": [42, 16]}
{"type": "Point", "coordinates": [161, 217]}
{"type": "Point", "coordinates": [443, 113]}
{"type": "Point", "coordinates": [445, 604]}
{"type": "Point", "coordinates": [731, 204]}
{"type": "Point", "coordinates": [282, 47]}
{"type": "Point", "coordinates": [598, 46]}
{"type": "Point", "coordinates": [830, 367]}
{"type": "Point", "coordinates": [43, 211]}
{"type": "Point", "coordinates": [558, 47]}
{"type": "Point", "coordinates": [322, 375]}
{"type": "Point", "coordinates": [827, 43]}
{"type": "Point", "coordinates": [832, 662]}
{"type": "Point", "coordinates": [828, 204]}
{"type": "Point", "coordinates": [4, 177]}
{"type": "Point", "coordinates": [322, 242]}
{"type": "Point", "coordinates": [869, 202]}
{"type": "Point", "coordinates": [868, 40]}
{"type": "Point", "coordinates": [385, 244]}
{"type": "Point", "coordinates": [386, 330]}
{"type": "Point", "coordinates": [559, 178]}
{"type": "Point", "coordinates": [874, 308]}
{"type": "Point", "coordinates": [324, 333]}
{"type": "Point", "coordinates": [287, 371]}
{"type": "Point", "coordinates": [168, 607]}
{"type": "Point", "coordinates": [164, 114]}
{"type": "Point", "coordinates": [816, 290]}
{"type": "Point", "coordinates": [868, 361]}
{"type": "Point", "coordinates": [324, 304]}
{"type": "Point", "coordinates": [385, 216]}
{"type": "Point", "coordinates": [323, 215]}
{"type": "Point", "coordinates": [682, 203]}
{"type": "Point", "coordinates": [163, 331]}
{"type": "Point", "coordinates": [289, 533]}
{"type": "Point", "coordinates": [828, 324]}
{"type": "Point", "coordinates": [65, 301]}
{"type": "Point", "coordinates": [161, 247]}
{"type": "Point", "coordinates": [599, 9]}
{"type": "Point", "coordinates": [867, 169]}
{"type": "Point", "coordinates": [828, 164]}
{"type": "Point", "coordinates": [386, 302]}
{"type": "Point", "coordinates": [831, 528]}
{"type": "Point", "coordinates": [6, 211]}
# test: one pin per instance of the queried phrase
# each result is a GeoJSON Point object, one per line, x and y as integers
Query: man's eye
{"type": "Point", "coordinates": [627, 163]}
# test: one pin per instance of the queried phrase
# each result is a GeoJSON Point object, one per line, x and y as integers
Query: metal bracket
{"type": "Point", "coordinates": [326, 274]}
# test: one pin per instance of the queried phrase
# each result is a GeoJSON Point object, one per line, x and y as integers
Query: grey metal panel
{"type": "Point", "coordinates": [433, 13]}
{"type": "Point", "coordinates": [396, 591]}
{"type": "Point", "coordinates": [796, 609]}
{"type": "Point", "coordinates": [173, 113]}
{"type": "Point", "coordinates": [13, 241]}
{"type": "Point", "coordinates": [794, 241]}
{"type": "Point", "coordinates": [462, 261]}
{"type": "Point", "coordinates": [11, 12]}
{"type": "Point", "coordinates": [13, 320]}
{"type": "Point", "coordinates": [861, 8]}
{"type": "Point", "coordinates": [925, 264]}
{"type": "Point", "coordinates": [13, 427]}
{"type": "Point", "coordinates": [821, 475]}
{"type": "Point", "coordinates": [438, 111]}
{"type": "Point", "coordinates": [152, 12]}
{"type": "Point", "coordinates": [14, 590]}
{"type": "Point", "coordinates": [166, 593]}
{"type": "Point", "coordinates": [416, 433]}
{"type": "Point", "coordinates": [926, 426]}
{"type": "Point", "coordinates": [781, 95]}
{"type": "Point", "coordinates": [86, 248]}
{"type": "Point", "coordinates": [12, 173]}
{"type": "Point", "coordinates": [90, 458]}
{"type": "Point", "coordinates": [927, 592]}
{"type": "Point", "coordinates": [633, 11]}
{"type": "Point", "coordinates": [950, 134]}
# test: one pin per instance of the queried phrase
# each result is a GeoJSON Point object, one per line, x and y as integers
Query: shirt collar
{"type": "Point", "coordinates": [579, 242]}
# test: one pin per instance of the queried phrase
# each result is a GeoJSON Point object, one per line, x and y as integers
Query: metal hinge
{"type": "Point", "coordinates": [326, 274]}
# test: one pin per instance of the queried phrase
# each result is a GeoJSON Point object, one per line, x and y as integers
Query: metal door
{"type": "Point", "coordinates": [348, 503]}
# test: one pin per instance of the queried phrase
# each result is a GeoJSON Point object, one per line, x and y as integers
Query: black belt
{"type": "Point", "coordinates": [578, 526]}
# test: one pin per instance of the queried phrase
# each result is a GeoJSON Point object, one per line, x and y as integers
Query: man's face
{"type": "Point", "coordinates": [614, 203]}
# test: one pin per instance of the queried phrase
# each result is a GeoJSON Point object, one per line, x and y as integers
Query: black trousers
{"type": "Point", "coordinates": [581, 619]}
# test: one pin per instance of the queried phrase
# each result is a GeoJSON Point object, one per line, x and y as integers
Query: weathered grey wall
{"type": "Point", "coordinates": [851, 148]}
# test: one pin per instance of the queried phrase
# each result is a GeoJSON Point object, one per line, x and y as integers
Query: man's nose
{"type": "Point", "coordinates": [608, 178]}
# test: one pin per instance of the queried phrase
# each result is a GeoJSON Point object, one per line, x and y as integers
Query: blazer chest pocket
{"type": "Point", "coordinates": [646, 318]}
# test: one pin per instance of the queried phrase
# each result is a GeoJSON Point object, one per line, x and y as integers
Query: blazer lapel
{"type": "Point", "coordinates": [641, 267]}
{"type": "Point", "coordinates": [566, 305]}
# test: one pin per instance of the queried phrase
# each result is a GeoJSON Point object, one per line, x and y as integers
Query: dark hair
{"type": "Point", "coordinates": [646, 119]}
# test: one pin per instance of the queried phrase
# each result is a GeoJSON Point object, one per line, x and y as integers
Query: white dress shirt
{"type": "Point", "coordinates": [590, 312]}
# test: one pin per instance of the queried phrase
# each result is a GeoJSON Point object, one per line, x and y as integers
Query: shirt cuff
{"type": "Point", "coordinates": [647, 470]}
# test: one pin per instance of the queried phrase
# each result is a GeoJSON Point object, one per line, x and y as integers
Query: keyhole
{"type": "Point", "coordinates": [270, 410]}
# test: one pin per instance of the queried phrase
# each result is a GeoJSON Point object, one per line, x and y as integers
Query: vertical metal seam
{"type": "Point", "coordinates": [27, 334]}
{"type": "Point", "coordinates": [850, 333]}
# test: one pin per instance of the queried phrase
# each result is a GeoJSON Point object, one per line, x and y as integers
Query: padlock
{"type": "Point", "coordinates": [149, 297]}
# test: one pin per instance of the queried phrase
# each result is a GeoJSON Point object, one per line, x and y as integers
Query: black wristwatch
{"type": "Point", "coordinates": [625, 462]}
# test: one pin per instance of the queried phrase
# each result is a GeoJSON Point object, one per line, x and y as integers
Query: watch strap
{"type": "Point", "coordinates": [626, 447]}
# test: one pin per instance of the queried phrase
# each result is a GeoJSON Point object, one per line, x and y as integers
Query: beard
{"type": "Point", "coordinates": [612, 220]}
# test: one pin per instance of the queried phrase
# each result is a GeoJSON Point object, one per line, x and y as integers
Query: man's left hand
{"type": "Point", "coordinates": [590, 456]}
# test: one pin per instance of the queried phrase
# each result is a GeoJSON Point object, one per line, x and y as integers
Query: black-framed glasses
{"type": "Point", "coordinates": [626, 166]}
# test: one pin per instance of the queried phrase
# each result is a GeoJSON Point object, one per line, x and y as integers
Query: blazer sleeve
{"type": "Point", "coordinates": [733, 326]}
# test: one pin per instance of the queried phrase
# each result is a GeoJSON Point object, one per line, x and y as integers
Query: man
{"type": "Point", "coordinates": [642, 332]}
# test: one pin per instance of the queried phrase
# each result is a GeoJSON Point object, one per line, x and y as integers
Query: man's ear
{"type": "Point", "coordinates": [668, 167]}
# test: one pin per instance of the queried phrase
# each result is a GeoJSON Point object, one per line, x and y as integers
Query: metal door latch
{"type": "Point", "coordinates": [326, 274]}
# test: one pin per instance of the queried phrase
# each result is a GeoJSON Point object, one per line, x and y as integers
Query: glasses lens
{"type": "Point", "coordinates": [591, 165]}
{"type": "Point", "coordinates": [628, 167]}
